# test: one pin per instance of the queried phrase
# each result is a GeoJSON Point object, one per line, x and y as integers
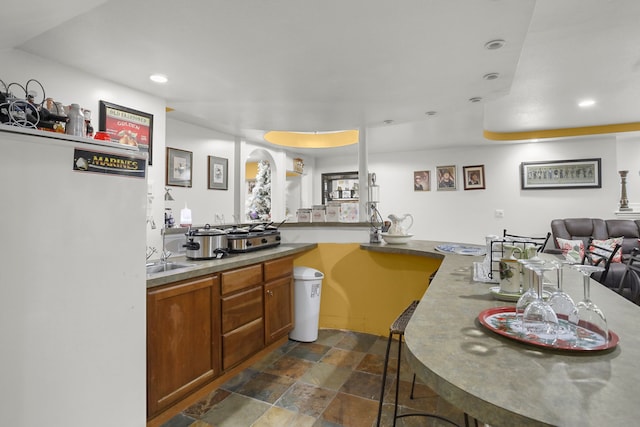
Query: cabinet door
{"type": "Point", "coordinates": [183, 340]}
{"type": "Point", "coordinates": [278, 308]}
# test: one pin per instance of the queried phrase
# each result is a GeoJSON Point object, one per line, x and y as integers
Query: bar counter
{"type": "Point", "coordinates": [503, 382]}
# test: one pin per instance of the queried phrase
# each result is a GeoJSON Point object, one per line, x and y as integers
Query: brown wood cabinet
{"type": "Point", "coordinates": [183, 340]}
{"type": "Point", "coordinates": [242, 314]}
{"type": "Point", "coordinates": [199, 328]}
{"type": "Point", "coordinates": [278, 298]}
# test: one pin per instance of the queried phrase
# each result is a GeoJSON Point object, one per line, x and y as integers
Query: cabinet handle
{"type": "Point", "coordinates": [270, 293]}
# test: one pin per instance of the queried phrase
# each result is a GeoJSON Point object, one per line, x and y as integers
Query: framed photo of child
{"type": "Point", "coordinates": [446, 176]}
{"type": "Point", "coordinates": [473, 177]}
{"type": "Point", "coordinates": [422, 181]}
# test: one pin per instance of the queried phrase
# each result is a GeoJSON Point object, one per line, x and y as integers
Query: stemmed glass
{"type": "Point", "coordinates": [539, 319]}
{"type": "Point", "coordinates": [530, 294]}
{"type": "Point", "coordinates": [562, 304]}
{"type": "Point", "coordinates": [590, 317]}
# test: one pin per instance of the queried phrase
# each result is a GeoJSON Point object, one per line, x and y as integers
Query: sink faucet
{"type": "Point", "coordinates": [164, 256]}
{"type": "Point", "coordinates": [150, 251]}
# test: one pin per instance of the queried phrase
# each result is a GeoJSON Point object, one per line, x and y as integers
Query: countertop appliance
{"type": "Point", "coordinates": [253, 238]}
{"type": "Point", "coordinates": [206, 243]}
{"type": "Point", "coordinates": [72, 312]}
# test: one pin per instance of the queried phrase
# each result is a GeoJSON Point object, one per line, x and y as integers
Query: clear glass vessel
{"type": "Point", "coordinates": [590, 317]}
{"type": "Point", "coordinates": [538, 319]}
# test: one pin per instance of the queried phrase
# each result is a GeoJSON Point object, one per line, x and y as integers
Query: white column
{"type": "Point", "coordinates": [363, 173]}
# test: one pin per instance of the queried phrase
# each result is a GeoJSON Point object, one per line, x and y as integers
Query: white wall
{"type": "Point", "coordinates": [468, 216]}
{"type": "Point", "coordinates": [103, 379]}
{"type": "Point", "coordinates": [203, 203]}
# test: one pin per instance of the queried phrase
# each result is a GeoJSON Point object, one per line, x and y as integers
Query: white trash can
{"type": "Point", "coordinates": [308, 284]}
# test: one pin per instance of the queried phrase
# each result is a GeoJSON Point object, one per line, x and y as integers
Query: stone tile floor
{"type": "Point", "coordinates": [332, 382]}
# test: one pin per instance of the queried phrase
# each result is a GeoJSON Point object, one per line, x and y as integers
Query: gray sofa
{"type": "Point", "coordinates": [601, 229]}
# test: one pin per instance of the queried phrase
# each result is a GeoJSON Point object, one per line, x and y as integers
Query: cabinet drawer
{"type": "Point", "coordinates": [278, 268]}
{"type": "Point", "coordinates": [241, 308]}
{"type": "Point", "coordinates": [241, 343]}
{"type": "Point", "coordinates": [241, 278]}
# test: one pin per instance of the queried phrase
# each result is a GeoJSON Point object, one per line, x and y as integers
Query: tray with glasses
{"type": "Point", "coordinates": [557, 321]}
{"type": "Point", "coordinates": [582, 337]}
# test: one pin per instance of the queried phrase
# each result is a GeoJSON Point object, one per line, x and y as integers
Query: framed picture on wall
{"type": "Point", "coordinates": [446, 176]}
{"type": "Point", "coordinates": [178, 171]}
{"type": "Point", "coordinates": [422, 181]}
{"type": "Point", "coordinates": [127, 126]}
{"type": "Point", "coordinates": [559, 174]}
{"type": "Point", "coordinates": [218, 173]}
{"type": "Point", "coordinates": [473, 177]}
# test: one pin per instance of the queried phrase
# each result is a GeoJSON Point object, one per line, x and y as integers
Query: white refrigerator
{"type": "Point", "coordinates": [72, 282]}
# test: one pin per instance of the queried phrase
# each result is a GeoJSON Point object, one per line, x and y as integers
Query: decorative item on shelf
{"type": "Point", "coordinates": [304, 215]}
{"type": "Point", "coordinates": [332, 212]}
{"type": "Point", "coordinates": [318, 213]}
{"type": "Point", "coordinates": [298, 165]}
{"type": "Point", "coordinates": [87, 123]}
{"type": "Point", "coordinates": [75, 124]}
{"type": "Point", "coordinates": [169, 221]}
{"type": "Point", "coordinates": [624, 202]}
{"type": "Point", "coordinates": [375, 219]}
{"type": "Point", "coordinates": [185, 217]}
{"type": "Point", "coordinates": [26, 109]}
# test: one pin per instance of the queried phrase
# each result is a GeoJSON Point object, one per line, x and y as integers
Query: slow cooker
{"type": "Point", "coordinates": [206, 243]}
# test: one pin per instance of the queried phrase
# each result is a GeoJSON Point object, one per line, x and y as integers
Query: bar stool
{"type": "Point", "coordinates": [397, 328]}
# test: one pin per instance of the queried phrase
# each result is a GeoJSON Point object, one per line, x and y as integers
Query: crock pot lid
{"type": "Point", "coordinates": [236, 230]}
{"type": "Point", "coordinates": [206, 232]}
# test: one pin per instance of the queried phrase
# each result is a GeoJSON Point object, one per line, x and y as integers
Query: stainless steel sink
{"type": "Point", "coordinates": [161, 267]}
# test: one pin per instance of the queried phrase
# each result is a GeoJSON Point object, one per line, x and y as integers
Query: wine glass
{"type": "Point", "coordinates": [530, 294]}
{"type": "Point", "coordinates": [538, 318]}
{"type": "Point", "coordinates": [563, 305]}
{"type": "Point", "coordinates": [590, 317]}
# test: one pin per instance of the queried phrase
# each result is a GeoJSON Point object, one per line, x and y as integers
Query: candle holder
{"type": "Point", "coordinates": [624, 202]}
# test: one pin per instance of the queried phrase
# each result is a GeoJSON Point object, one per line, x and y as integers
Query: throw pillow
{"type": "Point", "coordinates": [573, 250]}
{"type": "Point", "coordinates": [609, 243]}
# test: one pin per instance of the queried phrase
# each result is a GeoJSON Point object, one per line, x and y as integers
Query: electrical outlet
{"type": "Point", "coordinates": [499, 213]}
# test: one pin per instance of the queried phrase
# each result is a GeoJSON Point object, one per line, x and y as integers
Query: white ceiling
{"type": "Point", "coordinates": [249, 66]}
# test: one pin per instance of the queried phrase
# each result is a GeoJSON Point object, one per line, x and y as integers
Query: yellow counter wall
{"type": "Point", "coordinates": [365, 291]}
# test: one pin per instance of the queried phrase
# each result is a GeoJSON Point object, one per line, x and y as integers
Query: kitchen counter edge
{"type": "Point", "coordinates": [205, 267]}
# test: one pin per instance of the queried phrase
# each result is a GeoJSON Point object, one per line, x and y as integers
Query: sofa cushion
{"type": "Point", "coordinates": [573, 250]}
{"type": "Point", "coordinates": [607, 243]}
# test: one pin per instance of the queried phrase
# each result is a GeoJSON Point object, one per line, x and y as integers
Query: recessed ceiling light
{"type": "Point", "coordinates": [158, 78]}
{"type": "Point", "coordinates": [586, 103]}
{"type": "Point", "coordinates": [494, 44]}
{"type": "Point", "coordinates": [491, 76]}
{"type": "Point", "coordinates": [388, 122]}
{"type": "Point", "coordinates": [431, 113]}
{"type": "Point", "coordinates": [475, 99]}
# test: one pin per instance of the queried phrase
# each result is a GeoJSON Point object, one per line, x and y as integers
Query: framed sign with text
{"type": "Point", "coordinates": [127, 126]}
{"type": "Point", "coordinates": [557, 174]}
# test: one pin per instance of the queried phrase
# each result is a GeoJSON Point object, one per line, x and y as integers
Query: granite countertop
{"type": "Point", "coordinates": [204, 267]}
{"type": "Point", "coordinates": [506, 383]}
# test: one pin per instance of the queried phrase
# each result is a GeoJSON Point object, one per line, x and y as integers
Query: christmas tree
{"type": "Point", "coordinates": [259, 203]}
